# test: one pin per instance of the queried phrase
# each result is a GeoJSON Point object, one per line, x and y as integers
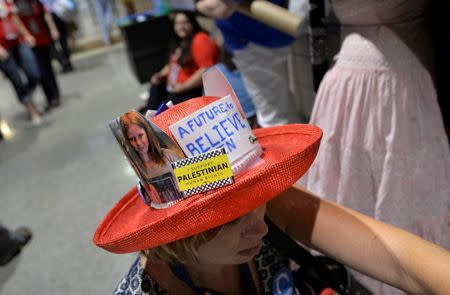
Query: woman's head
{"type": "Point", "coordinates": [140, 138]}
{"type": "Point", "coordinates": [185, 24]}
{"type": "Point", "coordinates": [185, 27]}
{"type": "Point", "coordinates": [233, 243]}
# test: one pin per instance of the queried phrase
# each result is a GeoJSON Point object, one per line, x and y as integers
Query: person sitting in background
{"type": "Point", "coordinates": [36, 18]}
{"type": "Point", "coordinates": [192, 54]}
{"type": "Point", "coordinates": [15, 54]}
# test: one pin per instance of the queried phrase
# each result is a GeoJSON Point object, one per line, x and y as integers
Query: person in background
{"type": "Point", "coordinates": [60, 47]}
{"type": "Point", "coordinates": [12, 242]}
{"type": "Point", "coordinates": [192, 53]}
{"type": "Point", "coordinates": [104, 10]}
{"type": "Point", "coordinates": [231, 72]}
{"type": "Point", "coordinates": [36, 19]}
{"type": "Point", "coordinates": [260, 53]}
{"type": "Point", "coordinates": [16, 55]}
{"type": "Point", "coordinates": [384, 145]}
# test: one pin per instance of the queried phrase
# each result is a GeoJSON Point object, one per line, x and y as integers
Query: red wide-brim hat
{"type": "Point", "coordinates": [288, 152]}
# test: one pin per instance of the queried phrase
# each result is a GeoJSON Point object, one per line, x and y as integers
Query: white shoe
{"type": "Point", "coordinates": [36, 121]}
{"type": "Point", "coordinates": [144, 95]}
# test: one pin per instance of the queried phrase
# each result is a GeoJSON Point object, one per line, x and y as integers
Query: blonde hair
{"type": "Point", "coordinates": [184, 250]}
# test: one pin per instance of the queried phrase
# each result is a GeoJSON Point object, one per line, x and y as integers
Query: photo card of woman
{"type": "Point", "coordinates": [150, 152]}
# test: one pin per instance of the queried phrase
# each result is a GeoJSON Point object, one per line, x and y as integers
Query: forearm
{"type": "Point", "coordinates": [374, 248]}
{"type": "Point", "coordinates": [50, 22]}
{"type": "Point", "coordinates": [195, 81]}
{"type": "Point", "coordinates": [386, 253]}
{"type": "Point", "coordinates": [164, 72]}
{"type": "Point", "coordinates": [20, 26]}
{"type": "Point", "coordinates": [3, 53]}
{"type": "Point", "coordinates": [217, 8]}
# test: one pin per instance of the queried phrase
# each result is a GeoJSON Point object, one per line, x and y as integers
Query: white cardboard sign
{"type": "Point", "coordinates": [219, 124]}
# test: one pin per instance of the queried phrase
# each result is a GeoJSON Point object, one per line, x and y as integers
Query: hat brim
{"type": "Point", "coordinates": [288, 152]}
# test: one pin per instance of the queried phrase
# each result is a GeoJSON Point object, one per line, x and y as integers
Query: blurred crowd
{"type": "Point", "coordinates": [381, 101]}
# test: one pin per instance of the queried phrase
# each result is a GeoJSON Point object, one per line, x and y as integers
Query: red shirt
{"type": "Point", "coordinates": [204, 53]}
{"type": "Point", "coordinates": [9, 34]}
{"type": "Point", "coordinates": [31, 12]}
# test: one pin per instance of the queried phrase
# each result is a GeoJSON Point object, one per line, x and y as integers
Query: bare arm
{"type": "Point", "coordinates": [193, 82]}
{"type": "Point", "coordinates": [158, 77]}
{"type": "Point", "coordinates": [3, 53]}
{"type": "Point", "coordinates": [217, 8]}
{"type": "Point", "coordinates": [165, 70]}
{"type": "Point", "coordinates": [379, 250]}
{"type": "Point", "coordinates": [29, 39]}
{"type": "Point", "coordinates": [51, 25]}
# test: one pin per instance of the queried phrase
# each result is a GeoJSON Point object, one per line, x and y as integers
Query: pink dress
{"type": "Point", "coordinates": [384, 150]}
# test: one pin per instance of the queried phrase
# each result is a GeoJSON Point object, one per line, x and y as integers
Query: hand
{"type": "Point", "coordinates": [217, 8]}
{"type": "Point", "coordinates": [3, 53]}
{"type": "Point", "coordinates": [156, 78]}
{"type": "Point", "coordinates": [177, 88]}
{"type": "Point", "coordinates": [55, 34]}
{"type": "Point", "coordinates": [29, 40]}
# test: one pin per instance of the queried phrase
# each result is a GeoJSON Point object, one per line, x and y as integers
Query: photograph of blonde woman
{"type": "Point", "coordinates": [150, 155]}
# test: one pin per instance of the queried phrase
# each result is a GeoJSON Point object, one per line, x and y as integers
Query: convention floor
{"type": "Point", "coordinates": [62, 177]}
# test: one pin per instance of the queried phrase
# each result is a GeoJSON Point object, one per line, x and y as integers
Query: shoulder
{"type": "Point", "coordinates": [202, 40]}
{"type": "Point", "coordinates": [204, 50]}
{"type": "Point", "coordinates": [131, 283]}
{"type": "Point", "coordinates": [136, 282]}
{"type": "Point", "coordinates": [200, 37]}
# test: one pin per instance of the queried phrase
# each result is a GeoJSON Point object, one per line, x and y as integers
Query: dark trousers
{"type": "Point", "coordinates": [22, 58]}
{"type": "Point", "coordinates": [159, 95]}
{"type": "Point", "coordinates": [61, 48]}
{"type": "Point", "coordinates": [8, 245]}
{"type": "Point", "coordinates": [48, 79]}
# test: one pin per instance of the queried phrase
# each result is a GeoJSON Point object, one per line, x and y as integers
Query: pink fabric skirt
{"type": "Point", "coordinates": [384, 151]}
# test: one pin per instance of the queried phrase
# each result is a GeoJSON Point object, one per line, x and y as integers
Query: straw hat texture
{"type": "Point", "coordinates": [288, 152]}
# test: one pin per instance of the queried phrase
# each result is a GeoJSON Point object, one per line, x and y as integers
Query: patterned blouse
{"type": "Point", "coordinates": [268, 263]}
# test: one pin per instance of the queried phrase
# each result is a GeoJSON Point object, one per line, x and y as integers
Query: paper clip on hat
{"type": "Point", "coordinates": [260, 166]}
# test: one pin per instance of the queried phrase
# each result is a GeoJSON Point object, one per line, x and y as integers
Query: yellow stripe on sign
{"type": "Point", "coordinates": [203, 172]}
